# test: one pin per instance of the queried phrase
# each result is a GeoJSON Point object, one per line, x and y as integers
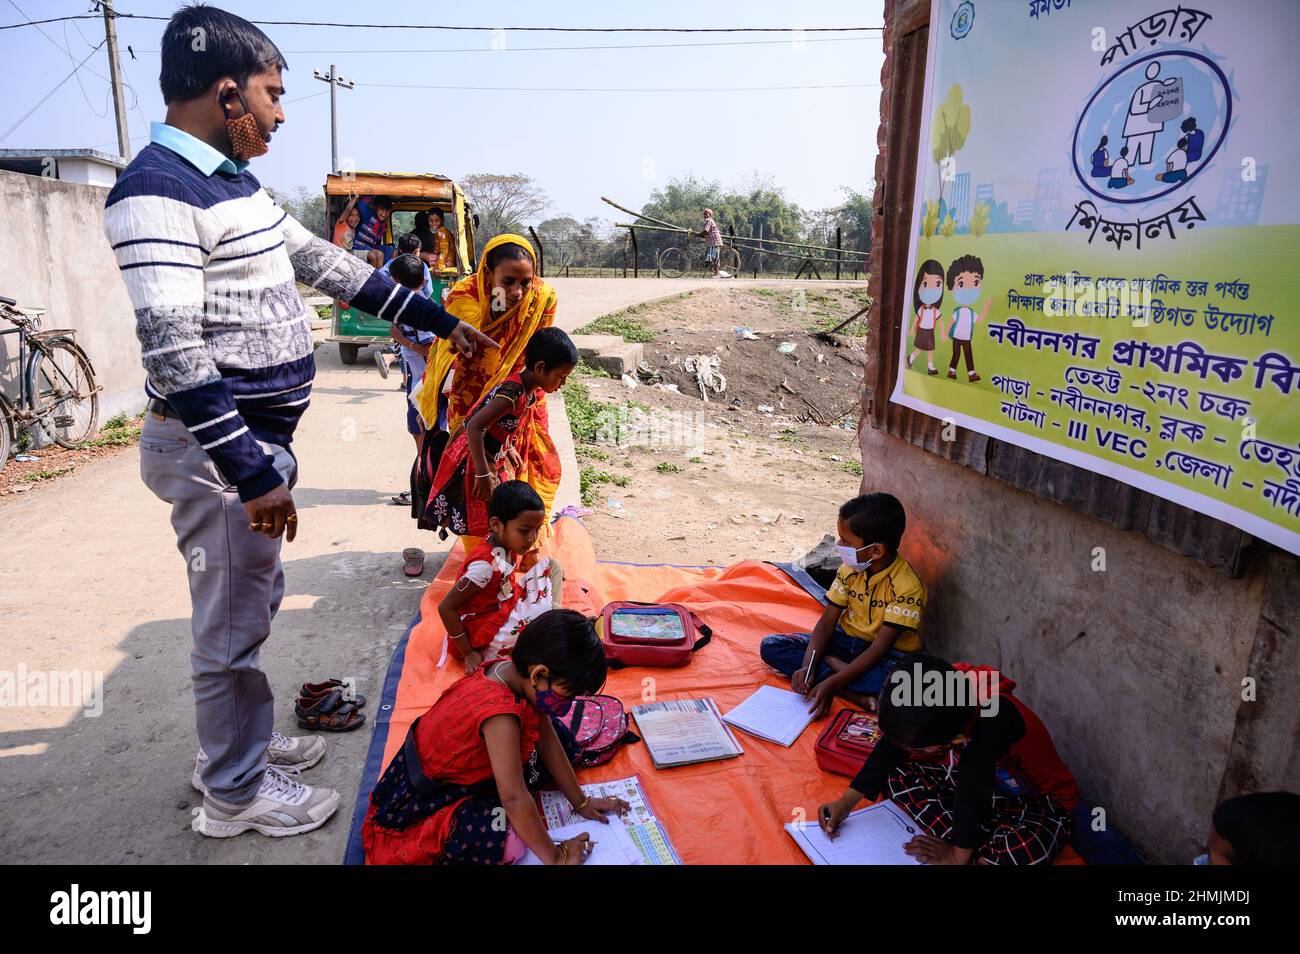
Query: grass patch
{"type": "Point", "coordinates": [788, 435]}
{"type": "Point", "coordinates": [38, 475]}
{"type": "Point", "coordinates": [587, 452]}
{"type": "Point", "coordinates": [851, 467]}
{"type": "Point", "coordinates": [591, 480]}
{"type": "Point", "coordinates": [590, 419]}
{"type": "Point", "coordinates": [121, 430]}
{"type": "Point", "coordinates": [621, 323]}
{"type": "Point", "coordinates": [666, 468]}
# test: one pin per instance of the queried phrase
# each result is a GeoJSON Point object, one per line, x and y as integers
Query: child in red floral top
{"type": "Point", "coordinates": [505, 583]}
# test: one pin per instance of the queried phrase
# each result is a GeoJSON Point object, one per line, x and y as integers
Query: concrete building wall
{"type": "Point", "coordinates": [1137, 669]}
{"type": "Point", "coordinates": [53, 255]}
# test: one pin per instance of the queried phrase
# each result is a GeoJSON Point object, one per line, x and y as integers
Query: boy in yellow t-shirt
{"type": "Point", "coordinates": [873, 617]}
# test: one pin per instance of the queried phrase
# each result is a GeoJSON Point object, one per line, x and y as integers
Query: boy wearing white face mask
{"type": "Point", "coordinates": [873, 618]}
{"type": "Point", "coordinates": [965, 275]}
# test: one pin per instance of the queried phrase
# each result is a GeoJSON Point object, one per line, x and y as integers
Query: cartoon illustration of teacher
{"type": "Point", "coordinates": [1147, 115]}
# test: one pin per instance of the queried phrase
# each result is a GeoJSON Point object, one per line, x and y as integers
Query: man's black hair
{"type": "Point", "coordinates": [552, 347]}
{"type": "Point", "coordinates": [383, 202]}
{"type": "Point", "coordinates": [908, 721]}
{"type": "Point", "coordinates": [565, 642]}
{"type": "Point", "coordinates": [409, 244]}
{"type": "Point", "coordinates": [512, 498]}
{"type": "Point", "coordinates": [876, 518]}
{"type": "Point", "coordinates": [967, 263]}
{"type": "Point", "coordinates": [1263, 828]}
{"type": "Point", "coordinates": [509, 252]}
{"type": "Point", "coordinates": [201, 44]}
{"type": "Point", "coordinates": [407, 271]}
{"type": "Point", "coordinates": [1188, 124]}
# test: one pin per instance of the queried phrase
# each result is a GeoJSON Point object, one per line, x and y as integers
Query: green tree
{"type": "Point", "coordinates": [855, 217]}
{"type": "Point", "coordinates": [929, 219]}
{"type": "Point", "coordinates": [979, 219]}
{"type": "Point", "coordinates": [949, 130]}
{"type": "Point", "coordinates": [949, 227]}
{"type": "Point", "coordinates": [503, 203]}
{"type": "Point", "coordinates": [305, 205]}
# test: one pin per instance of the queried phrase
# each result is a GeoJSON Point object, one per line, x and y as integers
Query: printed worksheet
{"type": "Point", "coordinates": [645, 830]}
{"type": "Point", "coordinates": [684, 731]}
{"type": "Point", "coordinates": [777, 715]}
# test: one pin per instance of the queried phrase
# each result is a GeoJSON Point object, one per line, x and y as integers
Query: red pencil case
{"type": "Point", "coordinates": [844, 745]}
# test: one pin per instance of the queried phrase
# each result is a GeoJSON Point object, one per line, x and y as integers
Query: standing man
{"type": "Point", "coordinates": [713, 243]}
{"type": "Point", "coordinates": [210, 263]}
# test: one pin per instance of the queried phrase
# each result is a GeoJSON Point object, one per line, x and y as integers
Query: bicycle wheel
{"type": "Point", "coordinates": [5, 435]}
{"type": "Point", "coordinates": [730, 262]}
{"type": "Point", "coordinates": [673, 262]}
{"type": "Point", "coordinates": [64, 393]}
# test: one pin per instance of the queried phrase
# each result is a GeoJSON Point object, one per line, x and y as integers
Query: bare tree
{"type": "Point", "coordinates": [503, 203]}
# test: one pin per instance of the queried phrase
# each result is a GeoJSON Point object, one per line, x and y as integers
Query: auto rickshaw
{"type": "Point", "coordinates": [353, 329]}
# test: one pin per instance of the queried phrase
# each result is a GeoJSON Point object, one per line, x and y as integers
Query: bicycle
{"type": "Point", "coordinates": [675, 261]}
{"type": "Point", "coordinates": [56, 387]}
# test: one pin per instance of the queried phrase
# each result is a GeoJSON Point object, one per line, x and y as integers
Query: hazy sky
{"type": "Point", "coordinates": [578, 145]}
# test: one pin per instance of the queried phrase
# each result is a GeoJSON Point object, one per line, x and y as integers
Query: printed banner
{"type": "Point", "coordinates": [1105, 252]}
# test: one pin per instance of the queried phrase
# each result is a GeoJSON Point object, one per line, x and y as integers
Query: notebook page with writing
{"type": "Point", "coordinates": [614, 846]}
{"type": "Point", "coordinates": [874, 835]}
{"type": "Point", "coordinates": [777, 715]}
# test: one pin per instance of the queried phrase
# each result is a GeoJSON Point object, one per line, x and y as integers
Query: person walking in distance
{"type": "Point", "coordinates": [210, 263]}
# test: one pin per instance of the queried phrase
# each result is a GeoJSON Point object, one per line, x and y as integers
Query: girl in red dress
{"type": "Point", "coordinates": [459, 496]}
{"type": "Point", "coordinates": [505, 583]}
{"type": "Point", "coordinates": [468, 764]}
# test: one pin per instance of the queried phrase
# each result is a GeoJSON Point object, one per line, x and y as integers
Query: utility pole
{"type": "Point", "coordinates": [335, 82]}
{"type": "Point", "coordinates": [115, 76]}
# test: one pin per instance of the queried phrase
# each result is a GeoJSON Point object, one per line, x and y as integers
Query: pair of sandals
{"type": "Point", "coordinates": [329, 706]}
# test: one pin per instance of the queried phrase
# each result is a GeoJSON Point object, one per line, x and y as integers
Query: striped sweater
{"type": "Point", "coordinates": [210, 263]}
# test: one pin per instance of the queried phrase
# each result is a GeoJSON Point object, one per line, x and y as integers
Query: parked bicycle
{"type": "Point", "coordinates": [56, 384]}
{"type": "Point", "coordinates": [677, 260]}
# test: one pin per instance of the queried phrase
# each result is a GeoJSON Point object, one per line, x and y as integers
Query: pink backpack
{"type": "Point", "coordinates": [650, 634]}
{"type": "Point", "coordinates": [597, 726]}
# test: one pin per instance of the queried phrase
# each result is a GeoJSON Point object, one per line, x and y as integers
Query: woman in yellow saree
{"type": "Point", "coordinates": [506, 301]}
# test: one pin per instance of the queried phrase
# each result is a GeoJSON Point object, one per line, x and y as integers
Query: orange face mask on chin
{"type": "Point", "coordinates": [247, 140]}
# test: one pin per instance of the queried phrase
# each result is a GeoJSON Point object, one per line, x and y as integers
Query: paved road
{"type": "Point", "coordinates": [93, 583]}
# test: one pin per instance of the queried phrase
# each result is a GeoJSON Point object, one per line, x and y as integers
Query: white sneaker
{"type": "Point", "coordinates": [282, 807]}
{"type": "Point", "coordinates": [289, 754]}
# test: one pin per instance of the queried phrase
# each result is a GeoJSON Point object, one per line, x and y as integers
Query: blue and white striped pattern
{"type": "Point", "coordinates": [210, 263]}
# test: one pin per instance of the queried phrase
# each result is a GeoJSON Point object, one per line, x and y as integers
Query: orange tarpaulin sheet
{"type": "Point", "coordinates": [725, 812]}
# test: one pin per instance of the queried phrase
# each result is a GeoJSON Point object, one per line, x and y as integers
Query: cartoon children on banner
{"type": "Point", "coordinates": [964, 277]}
{"type": "Point", "coordinates": [927, 297]}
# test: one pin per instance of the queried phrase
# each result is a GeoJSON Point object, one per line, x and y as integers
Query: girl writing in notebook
{"type": "Point", "coordinates": [459, 790]}
{"type": "Point", "coordinates": [505, 583]}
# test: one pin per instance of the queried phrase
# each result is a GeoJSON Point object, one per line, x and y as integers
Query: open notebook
{"type": "Point", "coordinates": [613, 844]}
{"type": "Point", "coordinates": [684, 731]}
{"type": "Point", "coordinates": [777, 715]}
{"type": "Point", "coordinates": [874, 835]}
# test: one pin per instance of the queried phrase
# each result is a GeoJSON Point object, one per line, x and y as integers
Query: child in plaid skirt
{"type": "Point", "coordinates": [970, 762]}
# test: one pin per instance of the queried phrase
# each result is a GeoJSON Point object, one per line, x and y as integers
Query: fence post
{"type": "Point", "coordinates": [541, 253]}
{"type": "Point", "coordinates": [636, 255]}
{"type": "Point", "coordinates": [838, 248]}
{"type": "Point", "coordinates": [625, 243]}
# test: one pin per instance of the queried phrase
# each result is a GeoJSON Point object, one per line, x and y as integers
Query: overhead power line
{"type": "Point", "coordinates": [621, 89]}
{"type": "Point", "coordinates": [578, 49]}
{"type": "Point", "coordinates": [23, 118]}
{"type": "Point", "coordinates": [481, 29]}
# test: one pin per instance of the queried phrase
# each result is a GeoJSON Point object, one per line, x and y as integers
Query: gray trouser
{"type": "Point", "coordinates": [236, 583]}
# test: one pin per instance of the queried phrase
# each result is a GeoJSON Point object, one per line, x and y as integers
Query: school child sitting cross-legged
{"type": "Point", "coordinates": [873, 617]}
{"type": "Point", "coordinates": [459, 790]}
{"type": "Point", "coordinates": [970, 762]}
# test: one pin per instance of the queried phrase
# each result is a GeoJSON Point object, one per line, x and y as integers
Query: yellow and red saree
{"type": "Point", "coordinates": [471, 301]}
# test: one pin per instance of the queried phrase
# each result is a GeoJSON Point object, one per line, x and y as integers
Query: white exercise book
{"type": "Point", "coordinates": [614, 846]}
{"type": "Point", "coordinates": [777, 715]}
{"type": "Point", "coordinates": [874, 835]}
